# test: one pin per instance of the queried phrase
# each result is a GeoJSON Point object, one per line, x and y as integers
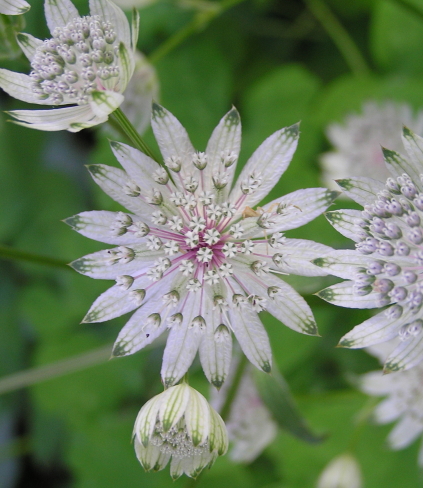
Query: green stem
{"type": "Point", "coordinates": [364, 416]}
{"type": "Point", "coordinates": [128, 129]}
{"type": "Point", "coordinates": [197, 24]}
{"type": "Point", "coordinates": [340, 36]}
{"type": "Point", "coordinates": [14, 254]}
{"type": "Point", "coordinates": [226, 409]}
{"type": "Point", "coordinates": [32, 376]}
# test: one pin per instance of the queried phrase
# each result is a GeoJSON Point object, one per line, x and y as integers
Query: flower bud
{"type": "Point", "coordinates": [341, 472]}
{"type": "Point", "coordinates": [179, 426]}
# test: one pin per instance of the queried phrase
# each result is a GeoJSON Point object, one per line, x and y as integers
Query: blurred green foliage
{"type": "Point", "coordinates": [279, 65]}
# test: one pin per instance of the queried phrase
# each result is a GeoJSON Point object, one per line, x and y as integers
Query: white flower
{"type": "Point", "coordinates": [403, 402]}
{"type": "Point", "coordinates": [249, 423]}
{"type": "Point", "coordinates": [86, 65]}
{"type": "Point", "coordinates": [210, 247]}
{"type": "Point", "coordinates": [357, 141]}
{"type": "Point", "coordinates": [179, 426]}
{"type": "Point", "coordinates": [386, 267]}
{"type": "Point", "coordinates": [341, 472]}
{"type": "Point", "coordinates": [13, 7]}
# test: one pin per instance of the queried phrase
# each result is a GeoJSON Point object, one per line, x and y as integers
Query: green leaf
{"type": "Point", "coordinates": [275, 393]}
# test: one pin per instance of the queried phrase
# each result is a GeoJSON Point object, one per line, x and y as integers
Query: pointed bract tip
{"type": "Point", "coordinates": [217, 383]}
{"type": "Point", "coordinates": [266, 367]}
{"type": "Point", "coordinates": [94, 169]}
{"type": "Point", "coordinates": [157, 110]}
{"type": "Point", "coordinates": [318, 262]}
{"type": "Point", "coordinates": [333, 194]}
{"type": "Point", "coordinates": [22, 38]}
{"type": "Point", "coordinates": [294, 129]}
{"type": "Point", "coordinates": [312, 331]}
{"type": "Point", "coordinates": [387, 371]}
{"type": "Point", "coordinates": [118, 350]}
{"type": "Point", "coordinates": [332, 216]}
{"type": "Point", "coordinates": [115, 144]}
{"type": "Point", "coordinates": [407, 132]}
{"type": "Point", "coordinates": [345, 343]}
{"type": "Point", "coordinates": [233, 117]}
{"type": "Point", "coordinates": [388, 153]}
{"type": "Point", "coordinates": [390, 367]}
{"type": "Point", "coordinates": [343, 183]}
{"type": "Point", "coordinates": [72, 221]}
{"type": "Point", "coordinates": [326, 294]}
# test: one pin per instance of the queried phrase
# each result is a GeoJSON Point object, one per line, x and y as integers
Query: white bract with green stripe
{"type": "Point", "coordinates": [193, 257]}
{"type": "Point", "coordinates": [13, 7]}
{"type": "Point", "coordinates": [179, 426]}
{"type": "Point", "coordinates": [84, 68]}
{"type": "Point", "coordinates": [386, 269]}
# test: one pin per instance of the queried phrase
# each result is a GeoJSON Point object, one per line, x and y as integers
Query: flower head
{"type": "Point", "coordinates": [403, 402]}
{"type": "Point", "coordinates": [85, 66]}
{"type": "Point", "coordinates": [386, 269]}
{"type": "Point", "coordinates": [341, 472]}
{"type": "Point", "coordinates": [187, 255]}
{"type": "Point", "coordinates": [13, 7]}
{"type": "Point", "coordinates": [179, 426]}
{"type": "Point", "coordinates": [357, 141]}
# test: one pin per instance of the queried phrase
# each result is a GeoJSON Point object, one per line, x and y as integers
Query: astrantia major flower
{"type": "Point", "coordinates": [386, 269]}
{"type": "Point", "coordinates": [84, 68]}
{"type": "Point", "coordinates": [13, 7]}
{"type": "Point", "coordinates": [188, 258]}
{"type": "Point", "coordinates": [403, 402]}
{"type": "Point", "coordinates": [179, 426]}
{"type": "Point", "coordinates": [358, 139]}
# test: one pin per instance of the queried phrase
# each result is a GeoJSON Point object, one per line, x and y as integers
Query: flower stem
{"type": "Point", "coordinates": [361, 422]}
{"type": "Point", "coordinates": [197, 24]}
{"type": "Point", "coordinates": [226, 409]}
{"type": "Point", "coordinates": [14, 254]}
{"type": "Point", "coordinates": [22, 379]}
{"type": "Point", "coordinates": [340, 36]}
{"type": "Point", "coordinates": [128, 129]}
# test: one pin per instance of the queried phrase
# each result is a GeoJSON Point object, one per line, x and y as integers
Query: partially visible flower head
{"type": "Point", "coordinates": [386, 269]}
{"type": "Point", "coordinates": [14, 7]}
{"type": "Point", "coordinates": [250, 424]}
{"type": "Point", "coordinates": [342, 472]}
{"type": "Point", "coordinates": [403, 402]}
{"type": "Point", "coordinates": [86, 65]}
{"type": "Point", "coordinates": [358, 139]}
{"type": "Point", "coordinates": [181, 427]}
{"type": "Point", "coordinates": [188, 257]}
